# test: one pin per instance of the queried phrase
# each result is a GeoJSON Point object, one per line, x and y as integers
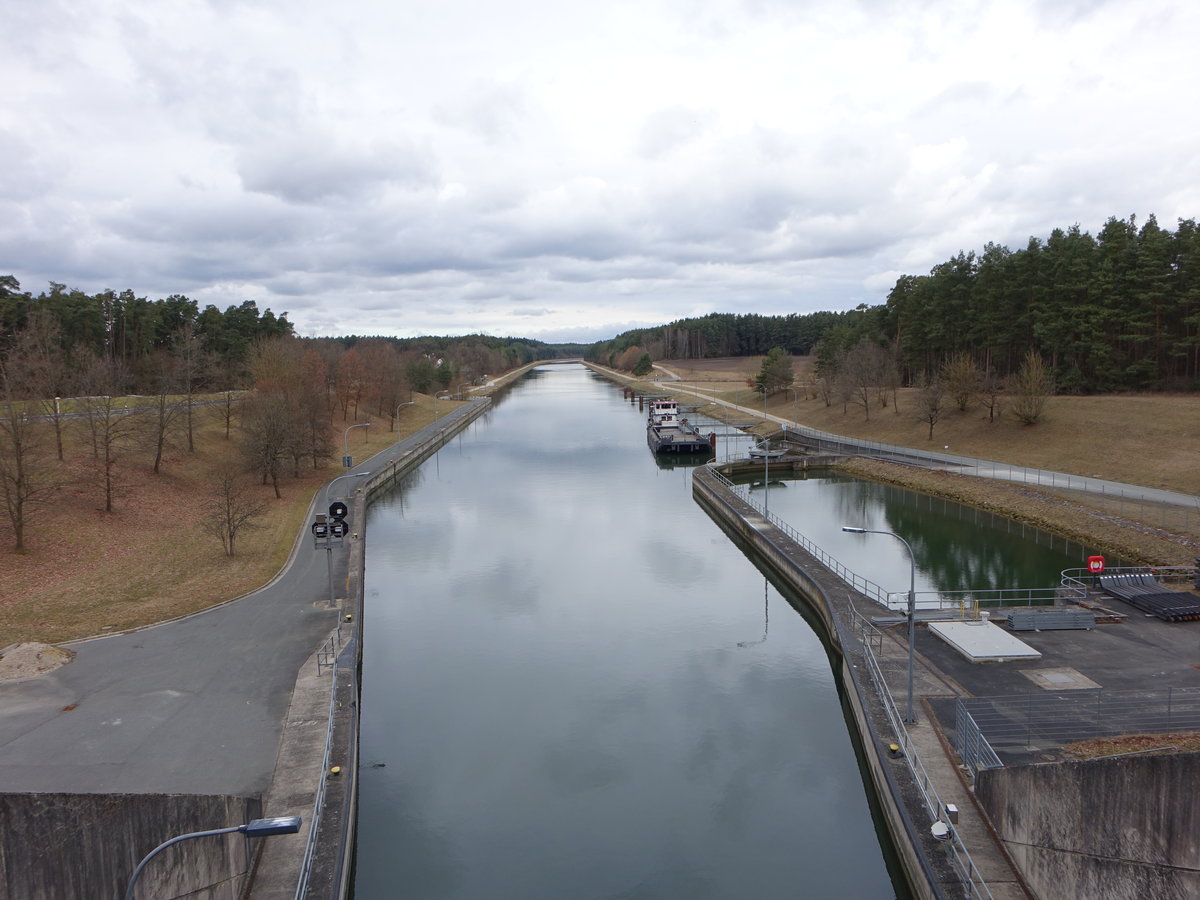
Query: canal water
{"type": "Point", "coordinates": [956, 548]}
{"type": "Point", "coordinates": [575, 686]}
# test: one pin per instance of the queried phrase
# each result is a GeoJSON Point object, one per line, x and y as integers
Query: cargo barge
{"type": "Point", "coordinates": [666, 432]}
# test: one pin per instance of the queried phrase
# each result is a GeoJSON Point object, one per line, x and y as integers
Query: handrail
{"type": "Point", "coordinates": [898, 600]}
{"type": "Point", "coordinates": [314, 827]}
{"type": "Point", "coordinates": [937, 809]}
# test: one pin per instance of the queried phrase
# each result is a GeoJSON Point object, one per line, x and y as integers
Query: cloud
{"type": "Point", "coordinates": [481, 167]}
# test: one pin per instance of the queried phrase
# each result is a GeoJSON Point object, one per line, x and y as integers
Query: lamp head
{"type": "Point", "coordinates": [268, 827]}
{"type": "Point", "coordinates": [853, 530]}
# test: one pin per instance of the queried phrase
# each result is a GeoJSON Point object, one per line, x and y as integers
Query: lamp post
{"type": "Point", "coordinates": [396, 416]}
{"type": "Point", "coordinates": [766, 458]}
{"type": "Point", "coordinates": [346, 442]}
{"type": "Point", "coordinates": [437, 397]}
{"type": "Point", "coordinates": [329, 487]}
{"type": "Point", "coordinates": [909, 718]}
{"type": "Point", "coordinates": [255, 828]}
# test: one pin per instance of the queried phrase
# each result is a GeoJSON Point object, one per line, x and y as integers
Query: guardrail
{"type": "Point", "coordinates": [314, 827]}
{"type": "Point", "coordinates": [860, 584]}
{"type": "Point", "coordinates": [966, 603]}
{"type": "Point", "coordinates": [1020, 722]}
{"type": "Point", "coordinates": [871, 639]}
{"type": "Point", "coordinates": [1082, 579]}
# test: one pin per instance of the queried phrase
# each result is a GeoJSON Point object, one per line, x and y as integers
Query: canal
{"type": "Point", "coordinates": [574, 685]}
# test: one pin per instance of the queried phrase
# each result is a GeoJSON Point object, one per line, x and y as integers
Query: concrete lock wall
{"type": "Point", "coordinates": [1104, 829]}
{"type": "Point", "coordinates": [74, 846]}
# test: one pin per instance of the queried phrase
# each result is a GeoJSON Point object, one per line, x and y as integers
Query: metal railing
{"type": "Point", "coordinates": [862, 585]}
{"type": "Point", "coordinates": [973, 748]}
{"type": "Point", "coordinates": [1083, 579]}
{"type": "Point", "coordinates": [965, 603]}
{"type": "Point", "coordinates": [871, 639]}
{"type": "Point", "coordinates": [314, 827]}
{"type": "Point", "coordinates": [1049, 721]}
{"type": "Point", "coordinates": [1172, 510]}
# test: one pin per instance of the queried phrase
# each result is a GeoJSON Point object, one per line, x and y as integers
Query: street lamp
{"type": "Point", "coordinates": [909, 718]}
{"type": "Point", "coordinates": [437, 397]}
{"type": "Point", "coordinates": [346, 442]}
{"type": "Point", "coordinates": [256, 828]}
{"type": "Point", "coordinates": [329, 487]}
{"type": "Point", "coordinates": [396, 416]}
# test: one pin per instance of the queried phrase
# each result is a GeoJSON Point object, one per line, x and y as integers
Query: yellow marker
{"type": "Point", "coordinates": [335, 770]}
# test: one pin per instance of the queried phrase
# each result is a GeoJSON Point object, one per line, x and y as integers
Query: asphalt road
{"type": "Point", "coordinates": [195, 705]}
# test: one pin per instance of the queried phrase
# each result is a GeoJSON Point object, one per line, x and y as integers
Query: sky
{"type": "Point", "coordinates": [567, 171]}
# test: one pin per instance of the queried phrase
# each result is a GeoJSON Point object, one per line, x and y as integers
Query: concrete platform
{"type": "Point", "coordinates": [982, 642]}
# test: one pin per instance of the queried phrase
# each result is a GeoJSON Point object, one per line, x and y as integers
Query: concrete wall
{"type": "Point", "coordinates": [1103, 829]}
{"type": "Point", "coordinates": [74, 846]}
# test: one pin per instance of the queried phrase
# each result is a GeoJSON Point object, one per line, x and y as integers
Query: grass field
{"type": "Point", "coordinates": [1150, 440]}
{"type": "Point", "coordinates": [88, 572]}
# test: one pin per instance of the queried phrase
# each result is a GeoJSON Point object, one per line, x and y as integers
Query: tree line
{"type": "Point", "coordinates": [1116, 312]}
{"type": "Point", "coordinates": [130, 334]}
{"type": "Point", "coordinates": [82, 417]}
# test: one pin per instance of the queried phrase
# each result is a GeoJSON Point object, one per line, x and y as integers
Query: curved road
{"type": "Point", "coordinates": [195, 705]}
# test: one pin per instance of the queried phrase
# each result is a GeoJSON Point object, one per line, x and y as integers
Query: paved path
{"type": "Point", "coordinates": [196, 705]}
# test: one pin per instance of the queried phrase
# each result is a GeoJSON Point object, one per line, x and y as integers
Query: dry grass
{"type": "Point", "coordinates": [1151, 440]}
{"type": "Point", "coordinates": [86, 571]}
{"type": "Point", "coordinates": [1134, 743]}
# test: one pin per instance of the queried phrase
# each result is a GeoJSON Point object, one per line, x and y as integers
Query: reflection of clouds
{"type": "Point", "coordinates": [413, 849]}
{"type": "Point", "coordinates": [557, 693]}
{"type": "Point", "coordinates": [507, 587]}
{"type": "Point", "coordinates": [686, 568]}
{"type": "Point", "coordinates": [576, 767]}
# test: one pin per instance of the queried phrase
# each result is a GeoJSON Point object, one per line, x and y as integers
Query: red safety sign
{"type": "Point", "coordinates": [1095, 564]}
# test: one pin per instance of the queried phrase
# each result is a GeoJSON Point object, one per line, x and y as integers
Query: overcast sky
{"type": "Point", "coordinates": [566, 171]}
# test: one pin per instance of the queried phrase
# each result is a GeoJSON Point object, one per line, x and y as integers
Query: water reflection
{"type": "Point", "coordinates": [766, 619]}
{"type": "Point", "coordinates": [956, 547]}
{"type": "Point", "coordinates": [551, 675]}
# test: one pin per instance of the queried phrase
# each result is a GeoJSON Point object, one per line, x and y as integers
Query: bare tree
{"type": "Point", "coordinates": [268, 434]}
{"type": "Point", "coordinates": [167, 415]}
{"type": "Point", "coordinates": [991, 389]}
{"type": "Point", "coordinates": [1030, 387]}
{"type": "Point", "coordinates": [962, 378]}
{"type": "Point", "coordinates": [193, 368]}
{"type": "Point", "coordinates": [230, 509]}
{"type": "Point", "coordinates": [351, 382]}
{"type": "Point", "coordinates": [865, 372]}
{"type": "Point", "coordinates": [25, 476]}
{"type": "Point", "coordinates": [112, 424]}
{"type": "Point", "coordinates": [39, 372]}
{"type": "Point", "coordinates": [931, 401]}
